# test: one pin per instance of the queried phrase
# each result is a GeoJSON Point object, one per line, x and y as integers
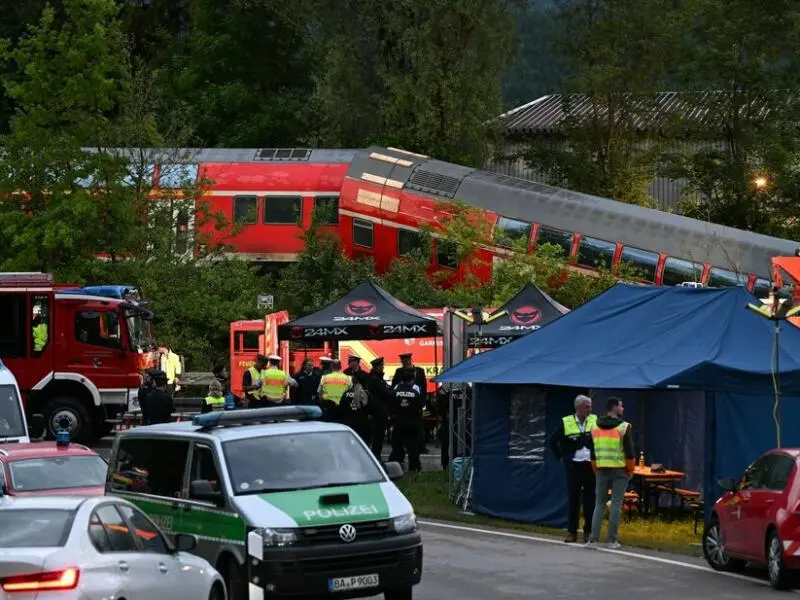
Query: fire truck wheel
{"type": "Point", "coordinates": [71, 414]}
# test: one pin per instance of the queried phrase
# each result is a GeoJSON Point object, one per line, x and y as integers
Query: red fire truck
{"type": "Point", "coordinates": [77, 356]}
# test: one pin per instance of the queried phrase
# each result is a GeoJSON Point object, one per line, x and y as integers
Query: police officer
{"type": "Point", "coordinates": [215, 400]}
{"type": "Point", "coordinates": [159, 401]}
{"type": "Point", "coordinates": [354, 407]}
{"type": "Point", "coordinates": [251, 382]}
{"type": "Point", "coordinates": [325, 364]}
{"type": "Point", "coordinates": [332, 387]}
{"type": "Point", "coordinates": [144, 393]}
{"type": "Point", "coordinates": [572, 443]}
{"type": "Point", "coordinates": [406, 419]}
{"type": "Point", "coordinates": [380, 397]}
{"type": "Point", "coordinates": [613, 462]}
{"type": "Point", "coordinates": [274, 382]}
{"type": "Point", "coordinates": [308, 380]}
{"type": "Point", "coordinates": [422, 383]}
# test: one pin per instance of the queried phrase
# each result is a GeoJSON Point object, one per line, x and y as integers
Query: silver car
{"type": "Point", "coordinates": [78, 548]}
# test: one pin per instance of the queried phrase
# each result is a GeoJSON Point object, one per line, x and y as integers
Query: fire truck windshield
{"type": "Point", "coordinates": [11, 423]}
{"type": "Point", "coordinates": [140, 331]}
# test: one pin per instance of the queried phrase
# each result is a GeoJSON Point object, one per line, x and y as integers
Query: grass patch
{"type": "Point", "coordinates": [428, 493]}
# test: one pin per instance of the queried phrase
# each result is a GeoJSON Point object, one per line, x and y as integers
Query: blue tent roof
{"type": "Point", "coordinates": [638, 337]}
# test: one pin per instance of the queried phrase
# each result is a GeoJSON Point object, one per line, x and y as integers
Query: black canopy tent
{"type": "Point", "coordinates": [527, 311]}
{"type": "Point", "coordinates": [366, 312]}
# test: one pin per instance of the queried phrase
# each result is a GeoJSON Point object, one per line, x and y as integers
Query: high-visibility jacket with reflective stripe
{"type": "Point", "coordinates": [255, 379]}
{"type": "Point", "coordinates": [275, 382]}
{"type": "Point", "coordinates": [39, 337]}
{"type": "Point", "coordinates": [571, 426]}
{"type": "Point", "coordinates": [609, 451]}
{"type": "Point", "coordinates": [334, 385]}
{"type": "Point", "coordinates": [216, 402]}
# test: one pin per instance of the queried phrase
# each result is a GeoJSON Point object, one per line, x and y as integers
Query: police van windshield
{"type": "Point", "coordinates": [299, 461]}
{"type": "Point", "coordinates": [12, 424]}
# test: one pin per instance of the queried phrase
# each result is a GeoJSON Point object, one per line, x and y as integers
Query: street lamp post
{"type": "Point", "coordinates": [776, 312]}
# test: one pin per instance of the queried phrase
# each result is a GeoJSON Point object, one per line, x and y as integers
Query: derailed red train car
{"type": "Point", "coordinates": [377, 200]}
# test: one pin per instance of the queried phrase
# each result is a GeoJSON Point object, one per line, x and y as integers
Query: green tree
{"type": "Point", "coordinates": [73, 82]}
{"type": "Point", "coordinates": [244, 73]}
{"type": "Point", "coordinates": [422, 74]}
{"type": "Point", "coordinates": [738, 67]}
{"type": "Point", "coordinates": [618, 54]}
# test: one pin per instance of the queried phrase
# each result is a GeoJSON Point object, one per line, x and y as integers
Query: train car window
{"type": "Point", "coordinates": [282, 210]}
{"type": "Point", "coordinates": [245, 210]}
{"type": "Point", "coordinates": [557, 237]}
{"type": "Point", "coordinates": [678, 270]}
{"type": "Point", "coordinates": [509, 232]}
{"type": "Point", "coordinates": [645, 262]}
{"type": "Point", "coordinates": [446, 254]}
{"type": "Point", "coordinates": [407, 241]}
{"type": "Point", "coordinates": [762, 287]}
{"type": "Point", "coordinates": [363, 233]}
{"type": "Point", "coordinates": [724, 278]}
{"type": "Point", "coordinates": [177, 176]}
{"type": "Point", "coordinates": [595, 253]}
{"type": "Point", "coordinates": [327, 209]}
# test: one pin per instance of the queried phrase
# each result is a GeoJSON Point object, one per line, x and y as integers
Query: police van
{"type": "Point", "coordinates": [13, 425]}
{"type": "Point", "coordinates": [283, 505]}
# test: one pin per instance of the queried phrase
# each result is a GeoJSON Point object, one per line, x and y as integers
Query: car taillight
{"type": "Point", "coordinates": [66, 579]}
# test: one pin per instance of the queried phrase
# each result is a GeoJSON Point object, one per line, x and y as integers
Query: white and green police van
{"type": "Point", "coordinates": [283, 505]}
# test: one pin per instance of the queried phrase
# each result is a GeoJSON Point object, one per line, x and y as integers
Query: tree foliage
{"type": "Point", "coordinates": [739, 66]}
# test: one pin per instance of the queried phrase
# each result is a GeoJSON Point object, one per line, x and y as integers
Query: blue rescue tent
{"type": "Point", "coordinates": [694, 367]}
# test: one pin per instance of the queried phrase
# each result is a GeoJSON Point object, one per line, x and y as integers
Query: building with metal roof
{"type": "Point", "coordinates": [684, 122]}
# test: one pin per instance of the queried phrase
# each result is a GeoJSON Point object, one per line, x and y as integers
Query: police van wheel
{"type": "Point", "coordinates": [399, 594]}
{"type": "Point", "coordinates": [234, 580]}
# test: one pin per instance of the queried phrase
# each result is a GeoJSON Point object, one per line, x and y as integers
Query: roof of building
{"type": "Point", "coordinates": [649, 112]}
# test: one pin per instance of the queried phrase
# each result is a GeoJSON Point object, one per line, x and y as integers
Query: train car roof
{"type": "Point", "coordinates": [233, 155]}
{"type": "Point", "coordinates": [610, 220]}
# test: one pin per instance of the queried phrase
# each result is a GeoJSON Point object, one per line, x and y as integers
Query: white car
{"type": "Point", "coordinates": [78, 548]}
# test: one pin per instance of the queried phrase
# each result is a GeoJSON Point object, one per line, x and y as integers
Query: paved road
{"type": "Point", "coordinates": [473, 566]}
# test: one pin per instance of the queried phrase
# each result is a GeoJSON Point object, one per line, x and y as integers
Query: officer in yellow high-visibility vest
{"type": "Point", "coordinates": [572, 443]}
{"type": "Point", "coordinates": [215, 401]}
{"type": "Point", "coordinates": [251, 382]}
{"type": "Point", "coordinates": [613, 458]}
{"type": "Point", "coordinates": [332, 387]}
{"type": "Point", "coordinates": [274, 382]}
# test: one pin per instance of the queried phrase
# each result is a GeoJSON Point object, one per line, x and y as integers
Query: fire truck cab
{"type": "Point", "coordinates": [77, 356]}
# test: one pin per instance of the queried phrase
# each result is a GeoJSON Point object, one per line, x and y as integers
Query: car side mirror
{"type": "Point", "coordinates": [394, 471]}
{"type": "Point", "coordinates": [185, 542]}
{"type": "Point", "coordinates": [201, 489]}
{"type": "Point", "coordinates": [729, 484]}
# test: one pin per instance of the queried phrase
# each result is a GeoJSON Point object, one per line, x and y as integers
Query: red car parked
{"type": "Point", "coordinates": [47, 469]}
{"type": "Point", "coordinates": [757, 520]}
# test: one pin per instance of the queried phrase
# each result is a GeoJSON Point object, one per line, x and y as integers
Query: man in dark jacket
{"type": "Point", "coordinates": [379, 397]}
{"type": "Point", "coordinates": [613, 459]}
{"type": "Point", "coordinates": [307, 384]}
{"type": "Point", "coordinates": [159, 401]}
{"type": "Point", "coordinates": [572, 443]}
{"type": "Point", "coordinates": [422, 383]}
{"type": "Point", "coordinates": [406, 410]}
